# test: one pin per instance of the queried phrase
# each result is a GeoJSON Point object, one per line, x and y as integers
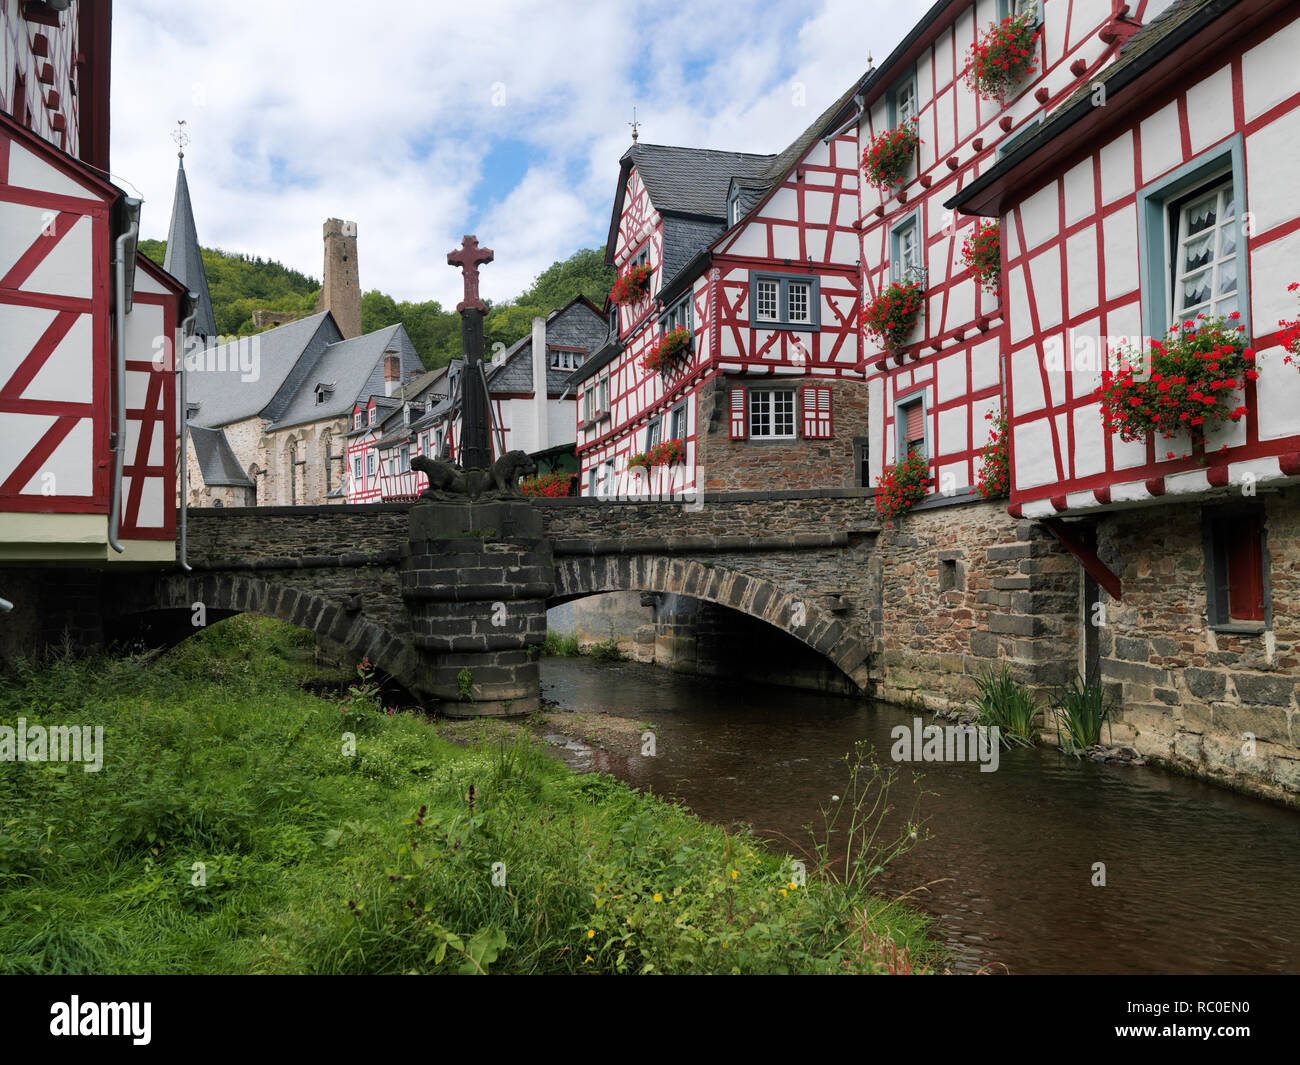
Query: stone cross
{"type": "Point", "coordinates": [468, 259]}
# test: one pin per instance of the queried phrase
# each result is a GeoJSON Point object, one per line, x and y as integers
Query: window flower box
{"type": "Point", "coordinates": [902, 486]}
{"type": "Point", "coordinates": [893, 314]}
{"type": "Point", "coordinates": [886, 159]}
{"type": "Point", "coordinates": [632, 286]}
{"type": "Point", "coordinates": [670, 354]}
{"type": "Point", "coordinates": [1003, 56]}
{"type": "Point", "coordinates": [1186, 383]}
{"type": "Point", "coordinates": [982, 254]}
{"type": "Point", "coordinates": [548, 485]}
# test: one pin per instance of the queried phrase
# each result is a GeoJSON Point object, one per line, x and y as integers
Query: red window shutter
{"type": "Point", "coordinates": [737, 413]}
{"type": "Point", "coordinates": [1245, 571]}
{"type": "Point", "coordinates": [915, 422]}
{"type": "Point", "coordinates": [816, 413]}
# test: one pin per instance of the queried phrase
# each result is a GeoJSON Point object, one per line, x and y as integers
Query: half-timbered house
{"type": "Point", "coordinates": [756, 258]}
{"type": "Point", "coordinates": [1159, 194]}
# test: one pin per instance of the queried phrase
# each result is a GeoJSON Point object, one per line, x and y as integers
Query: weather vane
{"type": "Point", "coordinates": [180, 137]}
{"type": "Point", "coordinates": [633, 124]}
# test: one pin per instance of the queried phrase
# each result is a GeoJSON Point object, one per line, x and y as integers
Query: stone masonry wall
{"type": "Point", "coordinates": [956, 589]}
{"type": "Point", "coordinates": [737, 465]}
{"type": "Point", "coordinates": [1191, 696]}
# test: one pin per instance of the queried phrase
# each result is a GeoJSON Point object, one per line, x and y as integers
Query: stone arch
{"type": "Point", "coordinates": [165, 610]}
{"type": "Point", "coordinates": [795, 614]}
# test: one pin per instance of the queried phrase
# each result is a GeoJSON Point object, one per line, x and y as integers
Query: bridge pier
{"type": "Point", "coordinates": [476, 578]}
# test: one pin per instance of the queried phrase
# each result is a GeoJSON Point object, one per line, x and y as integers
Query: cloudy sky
{"type": "Point", "coordinates": [425, 120]}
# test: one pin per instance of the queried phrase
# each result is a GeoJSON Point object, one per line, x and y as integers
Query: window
{"type": "Point", "coordinates": [359, 420]}
{"type": "Point", "coordinates": [653, 433]}
{"type": "Point", "coordinates": [608, 477]}
{"type": "Point", "coordinates": [1019, 7]}
{"type": "Point", "coordinates": [1011, 143]}
{"type": "Point", "coordinates": [1236, 567]}
{"type": "Point", "coordinates": [602, 396]}
{"type": "Point", "coordinates": [404, 458]}
{"type": "Point", "coordinates": [356, 469]}
{"type": "Point", "coordinates": [406, 415]}
{"type": "Point", "coordinates": [902, 104]}
{"type": "Point", "coordinates": [733, 208]}
{"type": "Point", "coordinates": [1191, 242]}
{"type": "Point", "coordinates": [909, 427]}
{"type": "Point", "coordinates": [424, 444]}
{"type": "Point", "coordinates": [440, 443]}
{"type": "Point", "coordinates": [321, 393]}
{"type": "Point", "coordinates": [678, 316]}
{"type": "Point", "coordinates": [566, 358]}
{"type": "Point", "coordinates": [905, 248]}
{"type": "Point", "coordinates": [372, 417]}
{"type": "Point", "coordinates": [591, 481]}
{"type": "Point", "coordinates": [787, 300]}
{"type": "Point", "coordinates": [588, 405]}
{"type": "Point", "coordinates": [771, 412]}
{"type": "Point", "coordinates": [1203, 271]}
{"type": "Point", "coordinates": [677, 423]}
{"type": "Point", "coordinates": [370, 465]}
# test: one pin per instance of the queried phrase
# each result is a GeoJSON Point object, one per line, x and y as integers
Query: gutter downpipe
{"type": "Point", "coordinates": [118, 439]}
{"type": "Point", "coordinates": [857, 99]}
{"type": "Point", "coordinates": [186, 326]}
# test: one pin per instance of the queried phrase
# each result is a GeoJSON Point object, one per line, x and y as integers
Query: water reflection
{"type": "Point", "coordinates": [1197, 879]}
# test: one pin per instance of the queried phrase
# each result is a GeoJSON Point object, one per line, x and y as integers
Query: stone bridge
{"type": "Point", "coordinates": [450, 600]}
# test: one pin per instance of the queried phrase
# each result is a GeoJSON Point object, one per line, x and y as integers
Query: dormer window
{"type": "Point", "coordinates": [733, 208]}
{"type": "Point", "coordinates": [323, 392]}
{"type": "Point", "coordinates": [566, 358]}
{"type": "Point", "coordinates": [406, 415]}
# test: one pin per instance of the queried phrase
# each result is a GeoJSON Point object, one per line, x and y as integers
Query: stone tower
{"type": "Point", "coordinates": [341, 289]}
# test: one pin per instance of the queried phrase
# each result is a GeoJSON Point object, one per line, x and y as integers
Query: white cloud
{"type": "Point", "coordinates": [299, 111]}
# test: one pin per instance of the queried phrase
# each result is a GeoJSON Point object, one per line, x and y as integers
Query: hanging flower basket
{"type": "Point", "coordinates": [902, 486]}
{"type": "Point", "coordinates": [1003, 56]}
{"type": "Point", "coordinates": [892, 315]}
{"type": "Point", "coordinates": [886, 159]}
{"type": "Point", "coordinates": [995, 461]}
{"type": "Point", "coordinates": [982, 254]}
{"type": "Point", "coordinates": [639, 461]}
{"type": "Point", "coordinates": [548, 485]}
{"type": "Point", "coordinates": [632, 286]}
{"type": "Point", "coordinates": [1187, 384]}
{"type": "Point", "coordinates": [670, 354]}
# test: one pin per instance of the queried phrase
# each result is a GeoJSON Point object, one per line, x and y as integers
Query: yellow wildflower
{"type": "Point", "coordinates": [735, 873]}
{"type": "Point", "coordinates": [591, 933]}
{"type": "Point", "coordinates": [658, 897]}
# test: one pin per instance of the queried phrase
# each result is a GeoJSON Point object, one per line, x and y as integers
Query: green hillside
{"type": "Point", "coordinates": [242, 284]}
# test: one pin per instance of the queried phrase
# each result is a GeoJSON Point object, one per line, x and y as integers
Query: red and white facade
{"type": "Point", "coordinates": [771, 306]}
{"type": "Point", "coordinates": [951, 373]}
{"type": "Point", "coordinates": [58, 366]}
{"type": "Point", "coordinates": [1084, 265]}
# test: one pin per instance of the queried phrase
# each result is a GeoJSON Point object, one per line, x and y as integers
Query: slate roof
{"type": "Point", "coordinates": [183, 260]}
{"type": "Point", "coordinates": [224, 398]}
{"type": "Point", "coordinates": [217, 460]}
{"type": "Point", "coordinates": [346, 365]}
{"type": "Point", "coordinates": [692, 180]}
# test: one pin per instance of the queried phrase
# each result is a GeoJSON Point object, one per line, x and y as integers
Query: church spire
{"type": "Point", "coordinates": [183, 260]}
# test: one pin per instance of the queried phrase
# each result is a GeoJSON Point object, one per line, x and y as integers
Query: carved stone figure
{"type": "Point", "coordinates": [448, 481]}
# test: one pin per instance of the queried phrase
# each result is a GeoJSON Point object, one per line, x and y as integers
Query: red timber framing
{"type": "Point", "coordinates": [954, 358]}
{"type": "Point", "coordinates": [63, 210]}
{"type": "Point", "coordinates": [1093, 175]}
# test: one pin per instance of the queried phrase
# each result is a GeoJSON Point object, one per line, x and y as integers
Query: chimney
{"type": "Point", "coordinates": [340, 292]}
{"type": "Point", "coordinates": [541, 413]}
{"type": "Point", "coordinates": [392, 373]}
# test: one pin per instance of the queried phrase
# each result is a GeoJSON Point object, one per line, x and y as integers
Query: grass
{"type": "Point", "coordinates": [1004, 702]}
{"type": "Point", "coordinates": [242, 825]}
{"type": "Point", "coordinates": [1080, 713]}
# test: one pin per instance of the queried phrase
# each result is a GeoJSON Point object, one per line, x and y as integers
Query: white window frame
{"type": "Point", "coordinates": [775, 285]}
{"type": "Point", "coordinates": [1222, 188]}
{"type": "Point", "coordinates": [762, 413]}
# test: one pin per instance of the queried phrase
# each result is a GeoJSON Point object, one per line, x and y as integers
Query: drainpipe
{"type": "Point", "coordinates": [117, 441]}
{"type": "Point", "coordinates": [186, 326]}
